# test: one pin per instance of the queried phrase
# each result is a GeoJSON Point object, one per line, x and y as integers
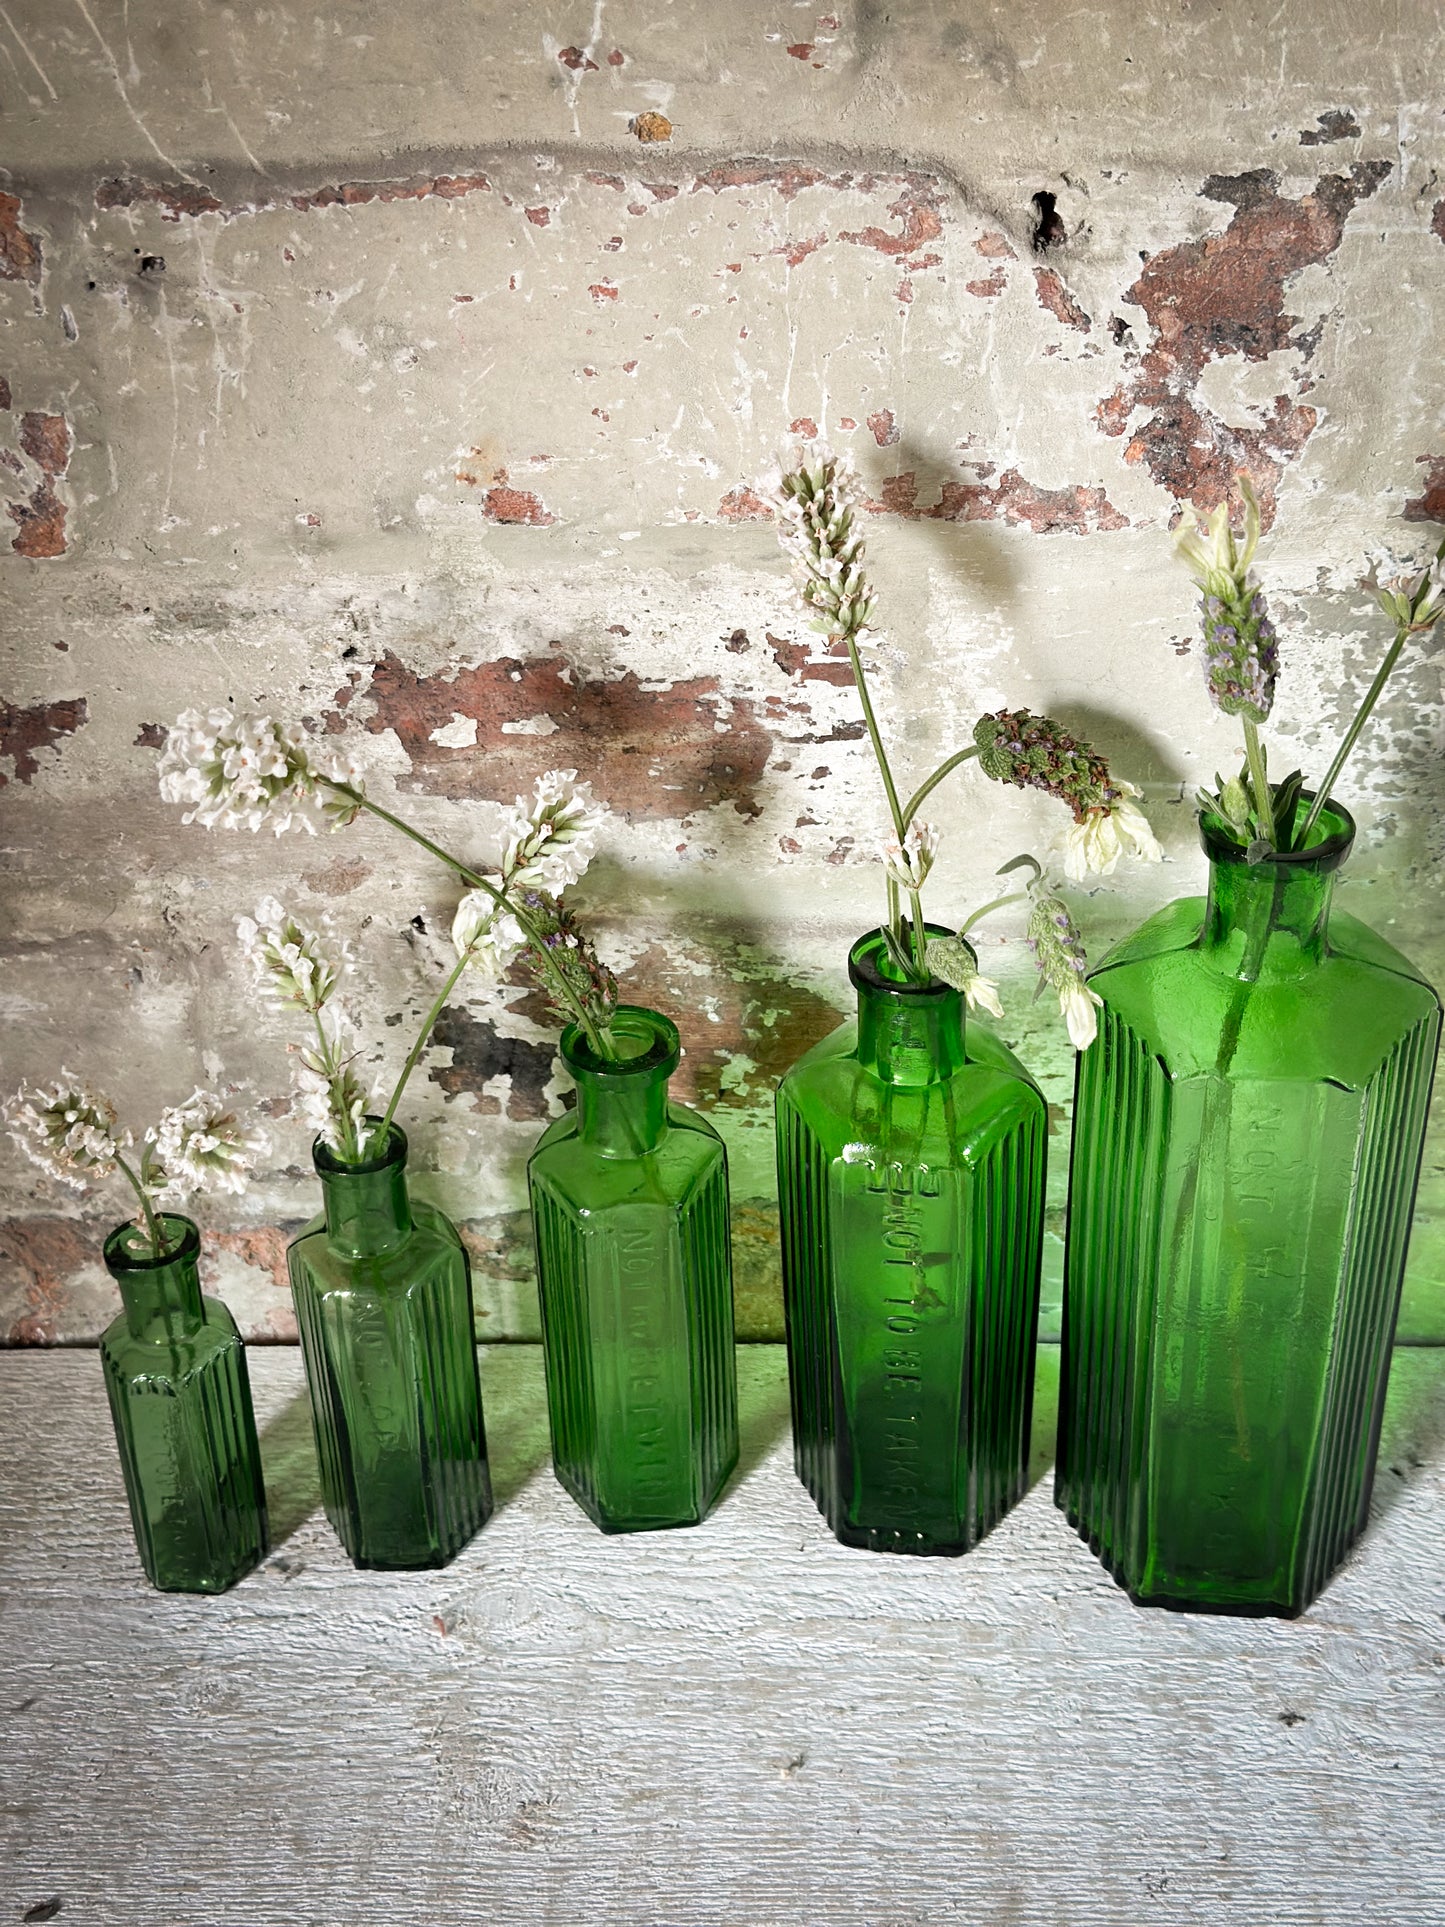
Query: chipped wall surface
{"type": "Point", "coordinates": [416, 373]}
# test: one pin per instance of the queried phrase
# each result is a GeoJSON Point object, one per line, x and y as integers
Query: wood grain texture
{"type": "Point", "coordinates": [744, 1723]}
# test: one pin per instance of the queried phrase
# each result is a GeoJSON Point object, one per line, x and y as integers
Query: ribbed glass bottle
{"type": "Point", "coordinates": [175, 1374]}
{"type": "Point", "coordinates": [383, 1292]}
{"type": "Point", "coordinates": [1247, 1138]}
{"type": "Point", "coordinates": [910, 1182]}
{"type": "Point", "coordinates": [634, 1269]}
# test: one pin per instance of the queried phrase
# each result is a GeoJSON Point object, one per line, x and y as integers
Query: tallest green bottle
{"type": "Point", "coordinates": [1247, 1138]}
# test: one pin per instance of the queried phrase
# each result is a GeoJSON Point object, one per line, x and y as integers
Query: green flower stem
{"type": "Point", "coordinates": [597, 1037]}
{"type": "Point", "coordinates": [416, 1049]}
{"type": "Point", "coordinates": [1259, 781]}
{"type": "Point", "coordinates": [153, 1224]}
{"type": "Point", "coordinates": [999, 903]}
{"type": "Point", "coordinates": [900, 822]}
{"type": "Point", "coordinates": [920, 795]}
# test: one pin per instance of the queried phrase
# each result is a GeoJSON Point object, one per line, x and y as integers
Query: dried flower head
{"type": "Point", "coordinates": [953, 961]}
{"type": "Point", "coordinates": [816, 516]}
{"type": "Point", "coordinates": [570, 954]}
{"type": "Point", "coordinates": [200, 1146]}
{"type": "Point", "coordinates": [549, 841]}
{"type": "Point", "coordinates": [286, 957]}
{"type": "Point", "coordinates": [1059, 958]}
{"type": "Point", "coordinates": [71, 1132]}
{"type": "Point", "coordinates": [1241, 651]}
{"type": "Point", "coordinates": [238, 772]}
{"type": "Point", "coordinates": [1034, 752]}
{"type": "Point", "coordinates": [909, 862]}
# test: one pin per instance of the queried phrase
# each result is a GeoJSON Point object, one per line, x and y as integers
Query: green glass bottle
{"type": "Point", "coordinates": [383, 1293]}
{"type": "Point", "coordinates": [1247, 1139]}
{"type": "Point", "coordinates": [910, 1183]}
{"type": "Point", "coordinates": [175, 1374]}
{"type": "Point", "coordinates": [634, 1269]}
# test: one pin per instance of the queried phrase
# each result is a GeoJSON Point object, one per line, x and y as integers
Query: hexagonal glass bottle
{"type": "Point", "coordinates": [383, 1294]}
{"type": "Point", "coordinates": [910, 1183]}
{"type": "Point", "coordinates": [634, 1270]}
{"type": "Point", "coordinates": [1247, 1138]}
{"type": "Point", "coordinates": [175, 1374]}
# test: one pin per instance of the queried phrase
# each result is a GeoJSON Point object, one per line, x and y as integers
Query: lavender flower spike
{"type": "Point", "coordinates": [1241, 653]}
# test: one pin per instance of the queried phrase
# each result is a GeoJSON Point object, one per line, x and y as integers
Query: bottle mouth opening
{"type": "Point", "coordinates": [128, 1247]}
{"type": "Point", "coordinates": [871, 967]}
{"type": "Point", "coordinates": [1330, 841]}
{"type": "Point", "coordinates": [647, 1043]}
{"type": "Point", "coordinates": [393, 1151]}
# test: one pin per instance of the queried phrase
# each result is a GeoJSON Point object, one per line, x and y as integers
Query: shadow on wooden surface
{"type": "Point", "coordinates": [288, 1463]}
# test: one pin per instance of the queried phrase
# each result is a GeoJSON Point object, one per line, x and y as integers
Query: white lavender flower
{"type": "Point", "coordinates": [330, 1096]}
{"type": "Point", "coordinates": [816, 509]}
{"type": "Point", "coordinates": [1094, 846]}
{"type": "Point", "coordinates": [199, 1146]}
{"type": "Point", "coordinates": [952, 961]}
{"type": "Point", "coordinates": [909, 862]}
{"type": "Point", "coordinates": [488, 937]}
{"type": "Point", "coordinates": [1241, 651]}
{"type": "Point", "coordinates": [238, 772]}
{"type": "Point", "coordinates": [1059, 957]}
{"type": "Point", "coordinates": [70, 1131]}
{"type": "Point", "coordinates": [549, 841]}
{"type": "Point", "coordinates": [286, 957]}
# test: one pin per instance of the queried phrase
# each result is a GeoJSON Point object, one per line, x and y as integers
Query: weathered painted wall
{"type": "Point", "coordinates": [415, 372]}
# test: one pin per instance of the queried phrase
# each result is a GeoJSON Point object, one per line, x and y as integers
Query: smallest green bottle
{"type": "Point", "coordinates": [175, 1374]}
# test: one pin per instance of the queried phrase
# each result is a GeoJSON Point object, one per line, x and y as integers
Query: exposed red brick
{"type": "Point", "coordinates": [802, 50]}
{"type": "Point", "coordinates": [1113, 412]}
{"type": "Point", "coordinates": [516, 505]}
{"type": "Point", "coordinates": [263, 1248]}
{"type": "Point", "coordinates": [446, 187]}
{"type": "Point", "coordinates": [995, 246]}
{"type": "Point", "coordinates": [151, 736]}
{"type": "Point", "coordinates": [601, 291]}
{"type": "Point", "coordinates": [4, 393]}
{"type": "Point", "coordinates": [995, 284]}
{"type": "Point", "coordinates": [20, 254]}
{"type": "Point", "coordinates": [176, 200]}
{"type": "Point", "coordinates": [1055, 297]}
{"type": "Point", "coordinates": [795, 253]}
{"type": "Point", "coordinates": [576, 60]}
{"type": "Point", "coordinates": [616, 58]}
{"type": "Point", "coordinates": [40, 524]}
{"type": "Point", "coordinates": [811, 662]}
{"type": "Point", "coordinates": [917, 209]}
{"type": "Point", "coordinates": [884, 427]}
{"type": "Point", "coordinates": [45, 1253]}
{"type": "Point", "coordinates": [539, 216]}
{"type": "Point", "coordinates": [1075, 510]}
{"type": "Point", "coordinates": [805, 426]}
{"type": "Point", "coordinates": [1223, 296]}
{"type": "Point", "coordinates": [46, 440]}
{"type": "Point", "coordinates": [660, 191]}
{"type": "Point", "coordinates": [1429, 507]}
{"type": "Point", "coordinates": [651, 753]}
{"type": "Point", "coordinates": [173, 198]}
{"type": "Point", "coordinates": [742, 505]}
{"type": "Point", "coordinates": [787, 178]}
{"type": "Point", "coordinates": [24, 729]}
{"type": "Point", "coordinates": [614, 181]}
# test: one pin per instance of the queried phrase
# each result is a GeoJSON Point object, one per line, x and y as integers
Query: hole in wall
{"type": "Point", "coordinates": [1049, 230]}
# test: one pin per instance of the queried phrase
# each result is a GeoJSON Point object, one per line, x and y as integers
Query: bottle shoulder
{"type": "Point", "coordinates": [1336, 1020]}
{"type": "Point", "coordinates": [155, 1355]}
{"type": "Point", "coordinates": [567, 1168]}
{"type": "Point", "coordinates": [847, 1108]}
{"type": "Point", "coordinates": [433, 1244]}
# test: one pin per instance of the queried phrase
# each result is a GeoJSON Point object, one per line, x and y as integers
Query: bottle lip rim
{"type": "Point", "coordinates": [863, 973]}
{"type": "Point", "coordinates": [664, 1053]}
{"type": "Point", "coordinates": [118, 1258]}
{"type": "Point", "coordinates": [394, 1151]}
{"type": "Point", "coordinates": [1327, 854]}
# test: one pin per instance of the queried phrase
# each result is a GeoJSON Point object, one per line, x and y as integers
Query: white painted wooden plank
{"type": "Point", "coordinates": [743, 1724]}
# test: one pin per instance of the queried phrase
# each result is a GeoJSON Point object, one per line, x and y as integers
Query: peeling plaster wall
{"type": "Point", "coordinates": [415, 372]}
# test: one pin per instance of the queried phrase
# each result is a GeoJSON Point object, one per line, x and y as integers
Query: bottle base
{"type": "Point", "coordinates": [614, 1525]}
{"type": "Point", "coordinates": [1183, 1601]}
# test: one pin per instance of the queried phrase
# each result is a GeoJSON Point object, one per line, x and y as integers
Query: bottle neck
{"type": "Point", "coordinates": [1270, 919]}
{"type": "Point", "coordinates": [907, 1033]}
{"type": "Point", "coordinates": [368, 1211]}
{"type": "Point", "coordinates": [622, 1104]}
{"type": "Point", "coordinates": [162, 1297]}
